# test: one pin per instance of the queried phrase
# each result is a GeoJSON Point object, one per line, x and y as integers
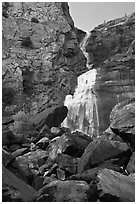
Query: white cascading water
{"type": "Point", "coordinates": [82, 106]}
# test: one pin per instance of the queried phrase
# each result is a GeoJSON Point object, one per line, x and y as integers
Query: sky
{"type": "Point", "coordinates": [87, 15]}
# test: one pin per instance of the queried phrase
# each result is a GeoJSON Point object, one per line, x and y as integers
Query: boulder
{"type": "Point", "coordinates": [67, 163]}
{"type": "Point", "coordinates": [19, 190]}
{"type": "Point", "coordinates": [10, 162]}
{"type": "Point", "coordinates": [90, 174]}
{"type": "Point", "coordinates": [32, 160]}
{"type": "Point", "coordinates": [55, 131]}
{"type": "Point", "coordinates": [37, 182]}
{"type": "Point", "coordinates": [70, 144]}
{"type": "Point", "coordinates": [61, 174]}
{"type": "Point", "coordinates": [131, 165]}
{"type": "Point", "coordinates": [66, 191]}
{"type": "Point", "coordinates": [122, 120]}
{"type": "Point", "coordinates": [114, 186]}
{"type": "Point", "coordinates": [99, 151]}
{"type": "Point", "coordinates": [52, 117]}
{"type": "Point", "coordinates": [81, 139]}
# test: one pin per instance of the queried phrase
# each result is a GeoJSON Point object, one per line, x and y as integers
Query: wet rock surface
{"type": "Point", "coordinates": [42, 161]}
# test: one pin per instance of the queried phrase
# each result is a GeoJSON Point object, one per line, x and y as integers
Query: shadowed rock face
{"type": "Point", "coordinates": [41, 55]}
{"type": "Point", "coordinates": [111, 50]}
{"type": "Point", "coordinates": [122, 120]}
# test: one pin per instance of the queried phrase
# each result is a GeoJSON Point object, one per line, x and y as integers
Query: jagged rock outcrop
{"type": "Point", "coordinates": [14, 189]}
{"type": "Point", "coordinates": [100, 151]}
{"type": "Point", "coordinates": [111, 51]}
{"type": "Point", "coordinates": [41, 55]}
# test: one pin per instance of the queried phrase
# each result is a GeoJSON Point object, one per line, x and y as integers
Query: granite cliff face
{"type": "Point", "coordinates": [111, 50]}
{"type": "Point", "coordinates": [41, 56]}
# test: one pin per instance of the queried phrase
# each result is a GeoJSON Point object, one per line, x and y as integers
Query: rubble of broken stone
{"type": "Point", "coordinates": [56, 165]}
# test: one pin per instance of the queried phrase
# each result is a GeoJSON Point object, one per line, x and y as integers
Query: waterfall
{"type": "Point", "coordinates": [82, 106]}
{"type": "Point", "coordinates": [83, 48]}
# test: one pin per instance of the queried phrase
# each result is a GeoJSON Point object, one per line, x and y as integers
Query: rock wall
{"type": "Point", "coordinates": [41, 55]}
{"type": "Point", "coordinates": [111, 51]}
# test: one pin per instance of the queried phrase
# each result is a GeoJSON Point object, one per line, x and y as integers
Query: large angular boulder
{"type": "Point", "coordinates": [52, 117]}
{"type": "Point", "coordinates": [122, 121]}
{"type": "Point", "coordinates": [71, 144]}
{"type": "Point", "coordinates": [10, 162]}
{"type": "Point", "coordinates": [81, 139]}
{"type": "Point", "coordinates": [18, 190]}
{"type": "Point", "coordinates": [66, 191]}
{"type": "Point", "coordinates": [99, 151]}
{"type": "Point", "coordinates": [114, 186]}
